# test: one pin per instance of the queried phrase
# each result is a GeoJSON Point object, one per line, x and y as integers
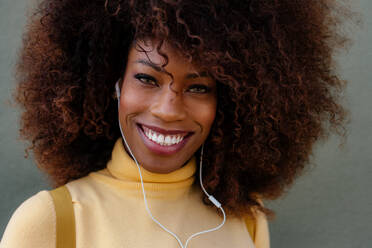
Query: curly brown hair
{"type": "Point", "coordinates": [272, 60]}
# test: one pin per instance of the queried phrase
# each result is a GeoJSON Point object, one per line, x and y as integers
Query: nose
{"type": "Point", "coordinates": [169, 106]}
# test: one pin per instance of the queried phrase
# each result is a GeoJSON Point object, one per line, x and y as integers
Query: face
{"type": "Point", "coordinates": [165, 121]}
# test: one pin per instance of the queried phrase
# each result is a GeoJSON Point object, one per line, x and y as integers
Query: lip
{"type": "Point", "coordinates": [159, 149]}
{"type": "Point", "coordinates": [164, 131]}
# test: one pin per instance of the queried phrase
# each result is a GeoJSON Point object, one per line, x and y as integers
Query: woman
{"type": "Point", "coordinates": [238, 89]}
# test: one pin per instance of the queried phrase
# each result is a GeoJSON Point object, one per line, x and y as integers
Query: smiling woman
{"type": "Point", "coordinates": [231, 93]}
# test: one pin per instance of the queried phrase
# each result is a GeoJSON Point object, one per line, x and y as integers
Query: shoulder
{"type": "Point", "coordinates": [32, 224]}
{"type": "Point", "coordinates": [258, 228]}
{"type": "Point", "coordinates": [262, 237]}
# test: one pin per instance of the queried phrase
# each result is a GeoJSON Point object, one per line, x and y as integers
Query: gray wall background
{"type": "Point", "coordinates": [329, 206]}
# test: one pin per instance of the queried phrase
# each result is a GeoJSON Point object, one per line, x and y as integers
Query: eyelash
{"type": "Point", "coordinates": [205, 89]}
{"type": "Point", "coordinates": [144, 78]}
{"type": "Point", "coordinates": [141, 77]}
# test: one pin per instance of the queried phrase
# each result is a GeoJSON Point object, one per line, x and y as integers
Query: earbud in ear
{"type": "Point", "coordinates": [117, 89]}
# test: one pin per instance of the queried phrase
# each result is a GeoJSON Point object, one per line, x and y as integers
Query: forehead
{"type": "Point", "coordinates": [149, 50]}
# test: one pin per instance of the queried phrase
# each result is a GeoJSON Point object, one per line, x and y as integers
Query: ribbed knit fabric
{"type": "Point", "coordinates": [110, 212]}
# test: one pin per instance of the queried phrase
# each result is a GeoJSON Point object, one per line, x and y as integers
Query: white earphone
{"type": "Point", "coordinates": [210, 197]}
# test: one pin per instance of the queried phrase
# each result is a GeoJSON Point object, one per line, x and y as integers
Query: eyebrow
{"type": "Point", "coordinates": [160, 69]}
{"type": "Point", "coordinates": [152, 65]}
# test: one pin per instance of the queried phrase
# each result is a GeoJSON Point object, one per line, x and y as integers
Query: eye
{"type": "Point", "coordinates": [146, 79]}
{"type": "Point", "coordinates": [199, 88]}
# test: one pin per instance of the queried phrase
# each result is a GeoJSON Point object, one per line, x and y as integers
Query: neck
{"type": "Point", "coordinates": [123, 168]}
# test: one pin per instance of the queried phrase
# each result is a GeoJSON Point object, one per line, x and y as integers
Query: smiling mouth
{"type": "Point", "coordinates": [164, 137]}
{"type": "Point", "coordinates": [164, 140]}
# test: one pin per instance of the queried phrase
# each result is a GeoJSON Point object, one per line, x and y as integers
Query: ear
{"type": "Point", "coordinates": [117, 89]}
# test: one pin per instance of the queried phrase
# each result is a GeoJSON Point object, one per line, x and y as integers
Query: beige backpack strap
{"type": "Point", "coordinates": [251, 226]}
{"type": "Point", "coordinates": [65, 219]}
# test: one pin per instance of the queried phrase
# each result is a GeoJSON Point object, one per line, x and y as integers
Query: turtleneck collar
{"type": "Point", "coordinates": [122, 166]}
{"type": "Point", "coordinates": [123, 173]}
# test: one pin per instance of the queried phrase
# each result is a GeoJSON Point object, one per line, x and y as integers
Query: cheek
{"type": "Point", "coordinates": [131, 101]}
{"type": "Point", "coordinates": [205, 115]}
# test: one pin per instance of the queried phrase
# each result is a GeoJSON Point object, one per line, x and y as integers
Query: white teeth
{"type": "Point", "coordinates": [160, 139]}
{"type": "Point", "coordinates": [154, 137]}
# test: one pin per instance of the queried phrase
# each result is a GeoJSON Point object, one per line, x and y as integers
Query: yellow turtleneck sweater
{"type": "Point", "coordinates": [110, 212]}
